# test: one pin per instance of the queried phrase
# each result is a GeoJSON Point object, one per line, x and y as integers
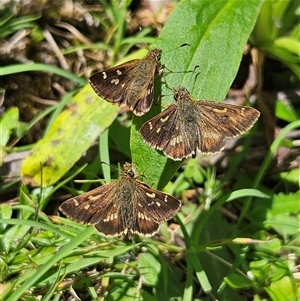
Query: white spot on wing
{"type": "Point", "coordinates": [151, 195]}
{"type": "Point", "coordinates": [94, 197]}
{"type": "Point", "coordinates": [115, 81]}
{"type": "Point", "coordinates": [164, 119]}
{"type": "Point", "coordinates": [176, 140]}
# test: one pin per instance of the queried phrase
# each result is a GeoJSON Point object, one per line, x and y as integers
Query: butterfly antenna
{"type": "Point", "coordinates": [119, 169]}
{"type": "Point", "coordinates": [102, 162]}
{"type": "Point", "coordinates": [193, 73]}
{"type": "Point", "coordinates": [182, 45]}
{"type": "Point", "coordinates": [171, 71]}
{"type": "Point", "coordinates": [147, 46]}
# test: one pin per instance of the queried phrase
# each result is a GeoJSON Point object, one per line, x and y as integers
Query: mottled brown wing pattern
{"type": "Point", "coordinates": [130, 84]}
{"type": "Point", "coordinates": [127, 206]}
{"type": "Point", "coordinates": [151, 207]}
{"type": "Point", "coordinates": [99, 207]}
{"type": "Point", "coordinates": [162, 132]}
{"type": "Point", "coordinates": [233, 120]}
{"type": "Point", "coordinates": [90, 207]}
{"type": "Point", "coordinates": [189, 126]}
{"type": "Point", "coordinates": [110, 83]}
{"type": "Point", "coordinates": [157, 205]}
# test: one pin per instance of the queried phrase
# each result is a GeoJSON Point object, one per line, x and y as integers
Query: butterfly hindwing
{"type": "Point", "coordinates": [157, 205]}
{"type": "Point", "coordinates": [166, 132]}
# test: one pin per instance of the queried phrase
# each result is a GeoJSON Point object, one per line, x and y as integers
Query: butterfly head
{"type": "Point", "coordinates": [181, 93]}
{"type": "Point", "coordinates": [154, 54]}
{"type": "Point", "coordinates": [129, 170]}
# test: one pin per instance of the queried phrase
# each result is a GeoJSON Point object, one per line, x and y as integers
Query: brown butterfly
{"type": "Point", "coordinates": [130, 84]}
{"type": "Point", "coordinates": [192, 126]}
{"type": "Point", "coordinates": [127, 206]}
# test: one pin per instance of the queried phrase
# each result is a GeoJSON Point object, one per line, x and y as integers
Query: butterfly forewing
{"type": "Point", "coordinates": [127, 206]}
{"type": "Point", "coordinates": [190, 127]}
{"type": "Point", "coordinates": [90, 207]}
{"type": "Point", "coordinates": [106, 83]}
{"type": "Point", "coordinates": [130, 84]}
{"type": "Point", "coordinates": [232, 120]}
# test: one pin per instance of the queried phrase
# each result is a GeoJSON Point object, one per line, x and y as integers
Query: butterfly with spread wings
{"type": "Point", "coordinates": [191, 126]}
{"type": "Point", "coordinates": [125, 207]}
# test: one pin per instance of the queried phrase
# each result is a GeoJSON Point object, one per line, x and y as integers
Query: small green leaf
{"type": "Point", "coordinates": [288, 43]}
{"type": "Point", "coordinates": [237, 281]}
{"type": "Point", "coordinates": [5, 213]}
{"type": "Point", "coordinates": [132, 294]}
{"type": "Point", "coordinates": [264, 29]}
{"type": "Point", "coordinates": [150, 268]}
{"type": "Point", "coordinates": [285, 203]}
{"type": "Point", "coordinates": [14, 236]}
{"type": "Point", "coordinates": [283, 224]}
{"type": "Point", "coordinates": [285, 112]}
{"type": "Point", "coordinates": [291, 176]}
{"type": "Point", "coordinates": [271, 246]}
{"type": "Point", "coordinates": [8, 122]}
{"type": "Point", "coordinates": [284, 289]}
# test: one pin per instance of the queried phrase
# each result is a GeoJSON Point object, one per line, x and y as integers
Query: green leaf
{"type": "Point", "coordinates": [14, 236]}
{"type": "Point", "coordinates": [8, 122]}
{"type": "Point", "coordinates": [289, 44]}
{"type": "Point", "coordinates": [285, 111]}
{"type": "Point", "coordinates": [71, 134]}
{"type": "Point", "coordinates": [150, 268]}
{"type": "Point", "coordinates": [264, 30]}
{"type": "Point", "coordinates": [237, 281]}
{"type": "Point", "coordinates": [284, 289]}
{"type": "Point", "coordinates": [291, 176]}
{"type": "Point", "coordinates": [5, 213]}
{"type": "Point", "coordinates": [283, 224]}
{"type": "Point", "coordinates": [211, 29]}
{"type": "Point", "coordinates": [132, 294]}
{"type": "Point", "coordinates": [285, 203]}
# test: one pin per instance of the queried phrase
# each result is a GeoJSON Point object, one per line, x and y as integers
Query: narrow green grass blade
{"type": "Point", "coordinates": [55, 258]}
{"type": "Point", "coordinates": [18, 68]}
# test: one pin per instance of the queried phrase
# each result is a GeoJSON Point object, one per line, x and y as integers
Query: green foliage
{"type": "Point", "coordinates": [10, 25]}
{"type": "Point", "coordinates": [252, 252]}
{"type": "Point", "coordinates": [202, 32]}
{"type": "Point", "coordinates": [276, 32]}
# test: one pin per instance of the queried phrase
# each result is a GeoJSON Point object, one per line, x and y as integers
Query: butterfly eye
{"type": "Point", "coordinates": [158, 57]}
{"type": "Point", "coordinates": [176, 95]}
{"type": "Point", "coordinates": [131, 173]}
